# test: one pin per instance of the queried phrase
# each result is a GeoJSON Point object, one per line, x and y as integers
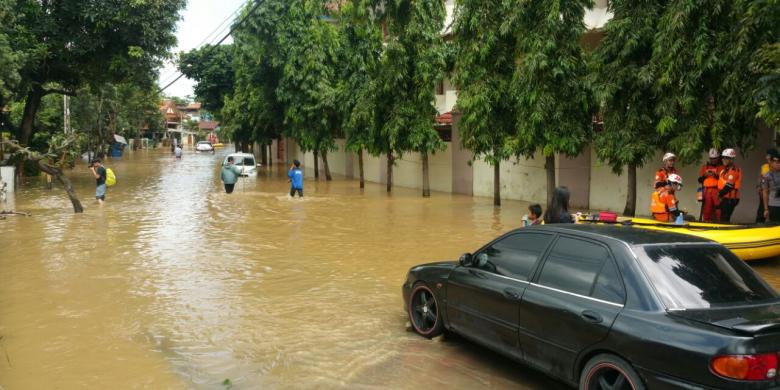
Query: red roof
{"type": "Point", "coordinates": [208, 125]}
{"type": "Point", "coordinates": [444, 119]}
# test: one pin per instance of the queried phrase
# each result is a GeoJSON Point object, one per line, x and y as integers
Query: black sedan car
{"type": "Point", "coordinates": [608, 307]}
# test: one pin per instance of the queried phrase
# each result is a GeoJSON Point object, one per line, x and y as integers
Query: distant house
{"type": "Point", "coordinates": [193, 110]}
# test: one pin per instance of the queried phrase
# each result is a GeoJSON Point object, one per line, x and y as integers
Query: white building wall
{"type": "Point", "coordinates": [523, 179]}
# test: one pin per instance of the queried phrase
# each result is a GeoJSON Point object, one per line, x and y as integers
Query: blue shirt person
{"type": "Point", "coordinates": [296, 179]}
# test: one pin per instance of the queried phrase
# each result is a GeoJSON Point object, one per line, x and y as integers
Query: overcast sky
{"type": "Point", "coordinates": [199, 20]}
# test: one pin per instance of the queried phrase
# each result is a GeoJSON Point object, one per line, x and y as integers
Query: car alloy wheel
{"type": "Point", "coordinates": [609, 372]}
{"type": "Point", "coordinates": [424, 312]}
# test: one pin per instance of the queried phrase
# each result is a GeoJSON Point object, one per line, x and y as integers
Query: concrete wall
{"type": "Point", "coordinates": [462, 171]}
{"type": "Point", "coordinates": [523, 179]}
{"type": "Point", "coordinates": [592, 183]}
{"type": "Point", "coordinates": [574, 173]}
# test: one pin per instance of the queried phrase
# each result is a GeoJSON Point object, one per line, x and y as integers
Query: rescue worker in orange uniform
{"type": "Point", "coordinates": [708, 178]}
{"type": "Point", "coordinates": [662, 175]}
{"type": "Point", "coordinates": [664, 203]}
{"type": "Point", "coordinates": [729, 183]}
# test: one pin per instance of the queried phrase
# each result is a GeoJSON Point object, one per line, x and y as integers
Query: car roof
{"type": "Point", "coordinates": [628, 234]}
{"type": "Point", "coordinates": [240, 155]}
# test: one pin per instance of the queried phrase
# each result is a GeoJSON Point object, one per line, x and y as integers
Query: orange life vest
{"type": "Point", "coordinates": [662, 175]}
{"type": "Point", "coordinates": [731, 175]}
{"type": "Point", "coordinates": [661, 202]}
{"type": "Point", "coordinates": [712, 180]}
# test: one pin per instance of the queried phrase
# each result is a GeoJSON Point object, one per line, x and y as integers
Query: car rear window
{"type": "Point", "coordinates": [701, 276]}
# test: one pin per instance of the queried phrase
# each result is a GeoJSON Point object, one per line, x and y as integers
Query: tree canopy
{"type": "Point", "coordinates": [211, 66]}
{"type": "Point", "coordinates": [65, 45]}
{"type": "Point", "coordinates": [485, 56]}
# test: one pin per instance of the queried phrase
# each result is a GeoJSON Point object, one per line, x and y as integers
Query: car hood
{"type": "Point", "coordinates": [752, 320]}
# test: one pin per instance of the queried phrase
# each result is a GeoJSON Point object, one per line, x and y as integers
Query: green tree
{"type": "Point", "coordinates": [704, 82]}
{"type": "Point", "coordinates": [759, 33]}
{"type": "Point", "coordinates": [554, 102]}
{"type": "Point", "coordinates": [253, 112]}
{"type": "Point", "coordinates": [485, 58]}
{"type": "Point", "coordinates": [308, 84]}
{"type": "Point", "coordinates": [623, 85]}
{"type": "Point", "coordinates": [66, 44]}
{"type": "Point", "coordinates": [212, 69]}
{"type": "Point", "coordinates": [10, 60]}
{"type": "Point", "coordinates": [359, 53]}
{"type": "Point", "coordinates": [413, 61]}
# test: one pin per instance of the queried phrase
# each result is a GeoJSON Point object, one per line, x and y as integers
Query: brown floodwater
{"type": "Point", "coordinates": [173, 284]}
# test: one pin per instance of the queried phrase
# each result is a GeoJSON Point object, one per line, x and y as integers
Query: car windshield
{"type": "Point", "coordinates": [701, 276]}
{"type": "Point", "coordinates": [204, 143]}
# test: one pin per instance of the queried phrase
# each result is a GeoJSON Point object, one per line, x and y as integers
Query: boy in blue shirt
{"type": "Point", "coordinates": [296, 179]}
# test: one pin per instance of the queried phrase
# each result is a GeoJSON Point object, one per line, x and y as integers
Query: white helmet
{"type": "Point", "coordinates": [730, 153]}
{"type": "Point", "coordinates": [675, 178]}
{"type": "Point", "coordinates": [669, 156]}
{"type": "Point", "coordinates": [714, 153]}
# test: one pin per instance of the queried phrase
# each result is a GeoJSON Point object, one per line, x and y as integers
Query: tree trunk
{"type": "Point", "coordinates": [328, 177]}
{"type": "Point", "coordinates": [264, 155]}
{"type": "Point", "coordinates": [360, 165]}
{"type": "Point", "coordinates": [270, 155]}
{"type": "Point", "coordinates": [497, 184]}
{"type": "Point", "coordinates": [57, 173]}
{"type": "Point", "coordinates": [630, 209]}
{"type": "Point", "coordinates": [31, 107]}
{"type": "Point", "coordinates": [238, 146]}
{"type": "Point", "coordinates": [549, 166]}
{"type": "Point", "coordinates": [316, 165]}
{"type": "Point", "coordinates": [390, 160]}
{"type": "Point", "coordinates": [426, 190]}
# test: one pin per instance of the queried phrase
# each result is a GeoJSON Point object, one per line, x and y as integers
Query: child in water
{"type": "Point", "coordinates": [534, 216]}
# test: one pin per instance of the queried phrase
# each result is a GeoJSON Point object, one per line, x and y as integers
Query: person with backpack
{"type": "Point", "coordinates": [99, 171]}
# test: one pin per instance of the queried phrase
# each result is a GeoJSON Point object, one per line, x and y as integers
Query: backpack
{"type": "Point", "coordinates": [110, 177]}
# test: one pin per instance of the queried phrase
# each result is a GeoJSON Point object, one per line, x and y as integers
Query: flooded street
{"type": "Point", "coordinates": [175, 284]}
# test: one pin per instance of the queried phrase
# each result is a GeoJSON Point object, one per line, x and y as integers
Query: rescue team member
{"type": "Point", "coordinates": [662, 175]}
{"type": "Point", "coordinates": [729, 183]}
{"type": "Point", "coordinates": [708, 178]}
{"type": "Point", "coordinates": [761, 177]}
{"type": "Point", "coordinates": [664, 203]}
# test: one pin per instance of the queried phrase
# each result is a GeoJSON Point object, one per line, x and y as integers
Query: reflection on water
{"type": "Point", "coordinates": [175, 284]}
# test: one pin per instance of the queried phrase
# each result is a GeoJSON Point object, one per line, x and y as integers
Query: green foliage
{"type": "Point", "coordinates": [485, 54]}
{"type": "Point", "coordinates": [413, 61]}
{"type": "Point", "coordinates": [623, 83]}
{"type": "Point", "coordinates": [10, 60]}
{"type": "Point", "coordinates": [71, 44]}
{"type": "Point", "coordinates": [252, 112]}
{"type": "Point", "coordinates": [759, 33]}
{"type": "Point", "coordinates": [359, 54]}
{"type": "Point", "coordinates": [307, 88]}
{"type": "Point", "coordinates": [703, 53]}
{"type": "Point", "coordinates": [553, 101]}
{"type": "Point", "coordinates": [212, 69]}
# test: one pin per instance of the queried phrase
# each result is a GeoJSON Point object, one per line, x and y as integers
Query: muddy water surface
{"type": "Point", "coordinates": [174, 284]}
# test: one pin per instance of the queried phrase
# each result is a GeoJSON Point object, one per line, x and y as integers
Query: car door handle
{"type": "Point", "coordinates": [591, 316]}
{"type": "Point", "coordinates": [512, 293]}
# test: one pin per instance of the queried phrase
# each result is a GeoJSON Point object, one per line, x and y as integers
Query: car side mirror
{"type": "Point", "coordinates": [465, 260]}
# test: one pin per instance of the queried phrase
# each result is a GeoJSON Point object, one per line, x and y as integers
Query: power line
{"type": "Point", "coordinates": [217, 31]}
{"type": "Point", "coordinates": [232, 29]}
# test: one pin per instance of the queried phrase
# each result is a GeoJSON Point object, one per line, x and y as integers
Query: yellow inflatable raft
{"type": "Point", "coordinates": [748, 242]}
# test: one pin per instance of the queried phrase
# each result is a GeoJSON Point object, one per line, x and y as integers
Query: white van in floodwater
{"type": "Point", "coordinates": [245, 161]}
